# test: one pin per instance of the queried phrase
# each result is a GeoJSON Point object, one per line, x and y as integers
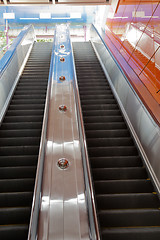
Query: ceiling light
{"type": "Point", "coordinates": [75, 15]}
{"type": "Point", "coordinates": [45, 15]}
{"type": "Point", "coordinates": [8, 16]}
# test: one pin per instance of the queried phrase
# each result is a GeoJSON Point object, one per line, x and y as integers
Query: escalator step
{"type": "Point", "coordinates": [19, 150]}
{"type": "Point", "coordinates": [34, 79]}
{"type": "Point", "coordinates": [16, 199]}
{"type": "Point", "coordinates": [98, 97]}
{"type": "Point", "coordinates": [16, 185]}
{"type": "Point", "coordinates": [21, 141]}
{"type": "Point", "coordinates": [107, 133]}
{"type": "Point", "coordinates": [17, 172]}
{"type": "Point", "coordinates": [118, 161]}
{"type": "Point", "coordinates": [105, 142]}
{"type": "Point", "coordinates": [92, 79]}
{"type": "Point", "coordinates": [97, 101]}
{"type": "Point", "coordinates": [113, 151]}
{"type": "Point", "coordinates": [10, 232]}
{"type": "Point", "coordinates": [119, 173]}
{"type": "Point", "coordinates": [31, 88]}
{"type": "Point", "coordinates": [123, 186]}
{"type": "Point", "coordinates": [29, 96]}
{"type": "Point", "coordinates": [30, 92]}
{"type": "Point", "coordinates": [24, 112]}
{"type": "Point", "coordinates": [122, 201]}
{"type": "Point", "coordinates": [129, 217]}
{"type": "Point", "coordinates": [21, 125]}
{"type": "Point", "coordinates": [21, 160]}
{"type": "Point", "coordinates": [32, 84]}
{"type": "Point", "coordinates": [21, 119]}
{"type": "Point", "coordinates": [27, 101]}
{"type": "Point", "coordinates": [101, 107]}
{"type": "Point", "coordinates": [20, 133]}
{"type": "Point", "coordinates": [140, 233]}
{"type": "Point", "coordinates": [104, 119]}
{"type": "Point", "coordinates": [18, 215]}
{"type": "Point", "coordinates": [26, 107]}
{"type": "Point", "coordinates": [86, 88]}
{"type": "Point", "coordinates": [88, 85]}
{"type": "Point", "coordinates": [105, 126]}
{"type": "Point", "coordinates": [94, 92]}
{"type": "Point", "coordinates": [101, 113]}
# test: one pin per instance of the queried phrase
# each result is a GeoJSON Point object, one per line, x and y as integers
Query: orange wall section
{"type": "Point", "coordinates": [136, 32]}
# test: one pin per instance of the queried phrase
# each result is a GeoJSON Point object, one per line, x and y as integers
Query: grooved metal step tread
{"type": "Point", "coordinates": [16, 185]}
{"type": "Point", "coordinates": [115, 161]}
{"type": "Point", "coordinates": [20, 160]}
{"type": "Point", "coordinates": [147, 233]}
{"type": "Point", "coordinates": [21, 125]}
{"type": "Point", "coordinates": [123, 186]}
{"type": "Point", "coordinates": [128, 200]}
{"type": "Point", "coordinates": [119, 173]}
{"type": "Point", "coordinates": [129, 217]}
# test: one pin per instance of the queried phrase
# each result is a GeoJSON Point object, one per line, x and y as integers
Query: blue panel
{"type": "Point", "coordinates": [30, 15]}
{"type": "Point", "coordinates": [9, 54]}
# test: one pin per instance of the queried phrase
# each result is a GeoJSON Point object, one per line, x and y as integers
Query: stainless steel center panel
{"type": "Point", "coordinates": [63, 212]}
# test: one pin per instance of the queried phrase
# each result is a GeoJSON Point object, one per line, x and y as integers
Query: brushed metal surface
{"type": "Point", "coordinates": [145, 130]}
{"type": "Point", "coordinates": [63, 211]}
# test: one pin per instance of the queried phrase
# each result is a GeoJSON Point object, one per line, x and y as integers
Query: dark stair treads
{"type": "Point", "coordinates": [131, 200]}
{"type": "Point", "coordinates": [17, 119]}
{"type": "Point", "coordinates": [112, 151]}
{"type": "Point", "coordinates": [115, 161]}
{"type": "Point", "coordinates": [104, 142]}
{"type": "Point", "coordinates": [27, 101]}
{"type": "Point", "coordinates": [16, 199]}
{"type": "Point", "coordinates": [126, 202]}
{"type": "Point", "coordinates": [21, 141]}
{"type": "Point", "coordinates": [129, 217]}
{"type": "Point", "coordinates": [123, 186]}
{"type": "Point", "coordinates": [17, 172]}
{"type": "Point", "coordinates": [21, 160]}
{"type": "Point", "coordinates": [29, 96]}
{"type": "Point", "coordinates": [20, 134]}
{"type": "Point", "coordinates": [16, 185]}
{"type": "Point", "coordinates": [103, 119]}
{"type": "Point", "coordinates": [24, 112]}
{"type": "Point", "coordinates": [14, 215]}
{"type": "Point", "coordinates": [21, 125]}
{"type": "Point", "coordinates": [107, 133]}
{"type": "Point", "coordinates": [105, 126]}
{"type": "Point", "coordinates": [119, 173]}
{"type": "Point", "coordinates": [10, 232]}
{"type": "Point", "coordinates": [147, 233]}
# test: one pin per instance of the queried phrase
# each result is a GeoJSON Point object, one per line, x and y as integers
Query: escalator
{"type": "Point", "coordinates": [20, 135]}
{"type": "Point", "coordinates": [127, 205]}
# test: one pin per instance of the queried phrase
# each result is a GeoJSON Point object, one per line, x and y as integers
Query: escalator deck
{"type": "Point", "coordinates": [19, 144]}
{"type": "Point", "coordinates": [127, 205]}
